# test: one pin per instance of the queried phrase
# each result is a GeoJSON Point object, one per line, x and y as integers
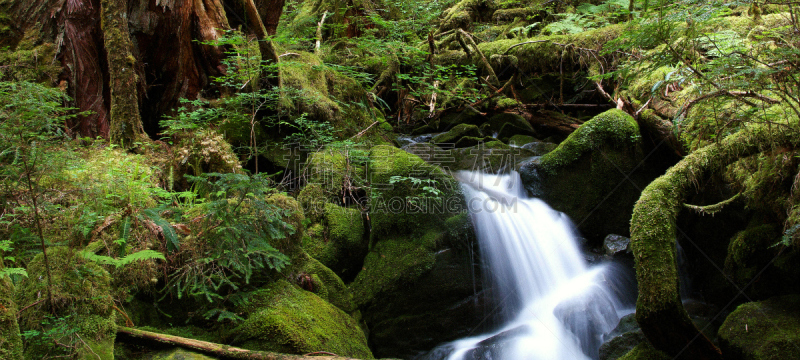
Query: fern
{"type": "Point", "coordinates": [173, 243]}
{"type": "Point", "coordinates": [143, 255]}
{"type": "Point", "coordinates": [13, 271]}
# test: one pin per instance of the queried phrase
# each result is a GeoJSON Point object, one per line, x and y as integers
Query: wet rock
{"type": "Point", "coordinates": [622, 339]}
{"type": "Point", "coordinates": [496, 347]}
{"type": "Point", "coordinates": [456, 133]}
{"type": "Point", "coordinates": [540, 147]}
{"type": "Point", "coordinates": [588, 316]}
{"type": "Point", "coordinates": [616, 244]}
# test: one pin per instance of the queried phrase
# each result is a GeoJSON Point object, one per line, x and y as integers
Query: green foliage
{"type": "Point", "coordinates": [143, 255]}
{"type": "Point", "coordinates": [238, 225]}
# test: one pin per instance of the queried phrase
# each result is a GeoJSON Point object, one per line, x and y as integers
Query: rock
{"type": "Point", "coordinates": [339, 240]}
{"type": "Point", "coordinates": [489, 156]}
{"type": "Point", "coordinates": [496, 347]}
{"type": "Point", "coordinates": [622, 339]}
{"type": "Point", "coordinates": [180, 354]}
{"type": "Point", "coordinates": [763, 330]}
{"type": "Point", "coordinates": [506, 125]}
{"type": "Point", "coordinates": [594, 176]}
{"type": "Point", "coordinates": [588, 316]}
{"type": "Point", "coordinates": [469, 141]}
{"type": "Point", "coordinates": [332, 168]}
{"type": "Point", "coordinates": [645, 351]}
{"type": "Point", "coordinates": [616, 244]}
{"type": "Point", "coordinates": [456, 133]}
{"type": "Point", "coordinates": [283, 318]}
{"type": "Point", "coordinates": [415, 292]}
{"type": "Point", "coordinates": [521, 140]}
{"type": "Point", "coordinates": [468, 116]}
{"type": "Point", "coordinates": [540, 148]}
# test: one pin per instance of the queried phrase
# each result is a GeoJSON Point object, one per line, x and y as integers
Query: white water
{"type": "Point", "coordinates": [557, 307]}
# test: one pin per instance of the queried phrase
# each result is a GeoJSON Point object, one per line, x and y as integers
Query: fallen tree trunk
{"type": "Point", "coordinates": [223, 351]}
{"type": "Point", "coordinates": [659, 310]}
{"type": "Point", "coordinates": [550, 123]}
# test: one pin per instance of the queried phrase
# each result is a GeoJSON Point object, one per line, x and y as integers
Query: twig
{"type": "Point", "coordinates": [128, 321]}
{"type": "Point", "coordinates": [29, 306]}
{"type": "Point", "coordinates": [483, 58]}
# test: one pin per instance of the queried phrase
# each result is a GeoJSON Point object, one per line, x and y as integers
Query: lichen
{"type": "Point", "coordinates": [284, 318]}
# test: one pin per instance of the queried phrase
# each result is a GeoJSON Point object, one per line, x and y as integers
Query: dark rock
{"type": "Point", "coordinates": [496, 347]}
{"type": "Point", "coordinates": [468, 116]}
{"type": "Point", "coordinates": [456, 133]}
{"type": "Point", "coordinates": [763, 330]}
{"type": "Point", "coordinates": [506, 125]}
{"type": "Point", "coordinates": [615, 244]}
{"type": "Point", "coordinates": [622, 339]}
{"type": "Point", "coordinates": [540, 148]}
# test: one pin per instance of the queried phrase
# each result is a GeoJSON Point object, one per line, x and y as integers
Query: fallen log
{"type": "Point", "coordinates": [126, 334]}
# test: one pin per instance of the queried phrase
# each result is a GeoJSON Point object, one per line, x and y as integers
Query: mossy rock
{"type": "Point", "coordinates": [489, 155]}
{"type": "Point", "coordinates": [467, 116]}
{"type": "Point", "coordinates": [456, 133]}
{"type": "Point", "coordinates": [469, 141]}
{"type": "Point", "coordinates": [763, 330]}
{"type": "Point", "coordinates": [312, 198]}
{"type": "Point", "coordinates": [81, 299]}
{"type": "Point", "coordinates": [332, 169]}
{"type": "Point", "coordinates": [594, 176]}
{"type": "Point", "coordinates": [465, 12]}
{"type": "Point", "coordinates": [283, 318]}
{"type": "Point", "coordinates": [519, 140]}
{"type": "Point", "coordinates": [10, 341]}
{"type": "Point", "coordinates": [323, 282]}
{"type": "Point", "coordinates": [340, 241]}
{"type": "Point", "coordinates": [645, 351]}
{"type": "Point", "coordinates": [417, 291]}
{"type": "Point", "coordinates": [750, 258]}
{"type": "Point", "coordinates": [399, 206]}
{"type": "Point", "coordinates": [507, 125]}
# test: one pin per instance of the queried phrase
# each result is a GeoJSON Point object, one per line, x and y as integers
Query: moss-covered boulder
{"type": "Point", "coordinates": [10, 341]}
{"type": "Point", "coordinates": [291, 245]}
{"type": "Point", "coordinates": [456, 133]}
{"type": "Point", "coordinates": [595, 175]}
{"type": "Point", "coordinates": [337, 170]}
{"type": "Point", "coordinates": [311, 275]}
{"type": "Point", "coordinates": [622, 339]}
{"type": "Point", "coordinates": [284, 318]}
{"type": "Point", "coordinates": [750, 258]}
{"type": "Point", "coordinates": [519, 140]}
{"type": "Point", "coordinates": [763, 330]}
{"type": "Point", "coordinates": [339, 240]}
{"type": "Point", "coordinates": [415, 292]}
{"type": "Point", "coordinates": [81, 304]}
{"type": "Point", "coordinates": [506, 125]}
{"type": "Point", "coordinates": [407, 194]}
{"type": "Point", "coordinates": [465, 12]}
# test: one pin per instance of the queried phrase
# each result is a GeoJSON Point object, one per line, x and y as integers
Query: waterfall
{"type": "Point", "coordinates": [555, 306]}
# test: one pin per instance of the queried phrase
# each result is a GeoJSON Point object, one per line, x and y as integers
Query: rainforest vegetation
{"type": "Point", "coordinates": [276, 179]}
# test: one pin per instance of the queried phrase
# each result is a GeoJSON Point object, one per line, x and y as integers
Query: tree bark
{"type": "Point", "coordinates": [659, 310]}
{"type": "Point", "coordinates": [125, 125]}
{"type": "Point", "coordinates": [271, 11]}
{"type": "Point", "coordinates": [222, 351]}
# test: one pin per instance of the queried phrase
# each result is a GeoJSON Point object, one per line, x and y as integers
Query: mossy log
{"type": "Point", "coordinates": [659, 311]}
{"type": "Point", "coordinates": [222, 351]}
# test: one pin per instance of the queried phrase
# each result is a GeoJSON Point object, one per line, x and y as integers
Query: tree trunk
{"type": "Point", "coordinates": [125, 125]}
{"type": "Point", "coordinates": [271, 11]}
{"type": "Point", "coordinates": [659, 310]}
{"type": "Point", "coordinates": [126, 61]}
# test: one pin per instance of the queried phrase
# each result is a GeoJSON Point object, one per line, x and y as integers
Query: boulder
{"type": "Point", "coordinates": [415, 292]}
{"type": "Point", "coordinates": [506, 125]}
{"type": "Point", "coordinates": [763, 330]}
{"type": "Point", "coordinates": [339, 240]}
{"type": "Point", "coordinates": [588, 316]}
{"type": "Point", "coordinates": [284, 318]}
{"type": "Point", "coordinates": [520, 140]}
{"type": "Point", "coordinates": [616, 244]}
{"type": "Point", "coordinates": [645, 351]}
{"type": "Point", "coordinates": [622, 339]}
{"type": "Point", "coordinates": [595, 175]}
{"type": "Point", "coordinates": [456, 133]}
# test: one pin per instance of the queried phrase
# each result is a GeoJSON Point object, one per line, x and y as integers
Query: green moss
{"type": "Point", "coordinates": [82, 300]}
{"type": "Point", "coordinates": [393, 262]}
{"type": "Point", "coordinates": [393, 209]}
{"type": "Point", "coordinates": [465, 12]}
{"type": "Point", "coordinates": [748, 254]}
{"type": "Point", "coordinates": [283, 318]}
{"type": "Point", "coordinates": [312, 199]}
{"type": "Point", "coordinates": [339, 242]}
{"type": "Point", "coordinates": [505, 102]}
{"type": "Point", "coordinates": [763, 330]}
{"type": "Point", "coordinates": [520, 140]}
{"type": "Point", "coordinates": [30, 61]}
{"type": "Point", "coordinates": [645, 351]}
{"type": "Point", "coordinates": [180, 354]}
{"type": "Point", "coordinates": [333, 170]}
{"type": "Point", "coordinates": [612, 128]}
{"type": "Point", "coordinates": [456, 133]}
{"type": "Point", "coordinates": [10, 341]}
{"type": "Point", "coordinates": [326, 284]}
{"type": "Point", "coordinates": [292, 244]}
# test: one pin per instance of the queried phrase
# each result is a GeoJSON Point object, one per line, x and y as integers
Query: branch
{"type": "Point", "coordinates": [223, 351]}
{"type": "Point", "coordinates": [319, 32]}
{"type": "Point", "coordinates": [712, 209]}
{"type": "Point", "coordinates": [736, 94]}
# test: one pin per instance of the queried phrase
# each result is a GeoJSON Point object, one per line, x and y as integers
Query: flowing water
{"type": "Point", "coordinates": [554, 305]}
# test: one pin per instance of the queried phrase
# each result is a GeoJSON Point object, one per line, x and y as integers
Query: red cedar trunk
{"type": "Point", "coordinates": [270, 11]}
{"type": "Point", "coordinates": [83, 66]}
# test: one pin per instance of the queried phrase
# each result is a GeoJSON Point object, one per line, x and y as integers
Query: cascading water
{"type": "Point", "coordinates": [555, 306]}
